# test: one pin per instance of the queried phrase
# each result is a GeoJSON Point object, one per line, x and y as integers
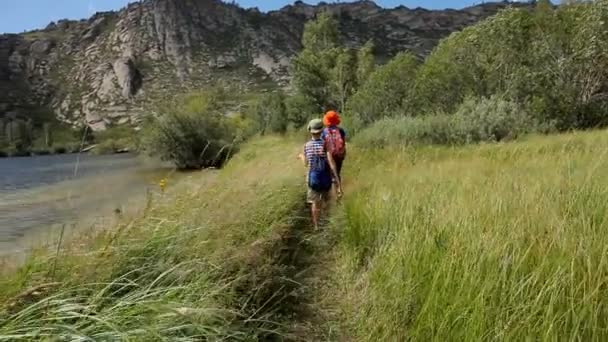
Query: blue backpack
{"type": "Point", "coordinates": [319, 176]}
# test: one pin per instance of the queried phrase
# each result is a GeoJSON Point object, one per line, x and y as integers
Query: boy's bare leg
{"type": "Point", "coordinates": [335, 190]}
{"type": "Point", "coordinates": [315, 211]}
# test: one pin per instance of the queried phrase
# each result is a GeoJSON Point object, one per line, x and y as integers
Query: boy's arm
{"type": "Point", "coordinates": [302, 157]}
{"type": "Point", "coordinates": [334, 170]}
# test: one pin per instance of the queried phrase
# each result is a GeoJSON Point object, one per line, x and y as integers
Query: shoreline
{"type": "Point", "coordinates": [88, 150]}
{"type": "Point", "coordinates": [80, 217]}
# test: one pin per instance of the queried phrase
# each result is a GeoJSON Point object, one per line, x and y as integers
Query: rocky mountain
{"type": "Point", "coordinates": [105, 70]}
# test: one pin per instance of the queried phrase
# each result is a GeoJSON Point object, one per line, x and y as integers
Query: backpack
{"type": "Point", "coordinates": [320, 181]}
{"type": "Point", "coordinates": [335, 143]}
{"type": "Point", "coordinates": [319, 176]}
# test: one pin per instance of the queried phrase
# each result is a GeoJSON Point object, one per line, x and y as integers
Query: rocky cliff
{"type": "Point", "coordinates": [105, 70]}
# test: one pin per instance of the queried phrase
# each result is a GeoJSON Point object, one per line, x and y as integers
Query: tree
{"type": "Point", "coordinates": [343, 77]}
{"type": "Point", "coordinates": [311, 72]}
{"type": "Point", "coordinates": [550, 61]}
{"type": "Point", "coordinates": [323, 72]}
{"type": "Point", "coordinates": [300, 108]}
{"type": "Point", "coordinates": [365, 62]}
{"type": "Point", "coordinates": [321, 34]}
{"type": "Point", "coordinates": [388, 91]}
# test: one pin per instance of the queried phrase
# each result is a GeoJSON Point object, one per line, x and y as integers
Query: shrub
{"type": "Point", "coordinates": [195, 131]}
{"type": "Point", "coordinates": [432, 129]}
{"type": "Point", "coordinates": [486, 120]}
{"type": "Point", "coordinates": [492, 119]}
{"type": "Point", "coordinates": [190, 140]}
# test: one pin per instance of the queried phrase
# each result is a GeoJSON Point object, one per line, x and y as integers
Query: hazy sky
{"type": "Point", "coordinates": [20, 15]}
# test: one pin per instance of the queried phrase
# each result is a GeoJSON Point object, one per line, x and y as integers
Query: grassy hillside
{"type": "Point", "coordinates": [486, 242]}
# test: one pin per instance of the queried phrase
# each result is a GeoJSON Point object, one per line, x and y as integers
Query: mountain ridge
{"type": "Point", "coordinates": [108, 69]}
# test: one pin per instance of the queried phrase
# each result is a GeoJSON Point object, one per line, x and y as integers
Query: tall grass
{"type": "Point", "coordinates": [489, 242]}
{"type": "Point", "coordinates": [485, 242]}
{"type": "Point", "coordinates": [193, 268]}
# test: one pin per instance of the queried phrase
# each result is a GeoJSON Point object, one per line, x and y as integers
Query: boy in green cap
{"type": "Point", "coordinates": [321, 170]}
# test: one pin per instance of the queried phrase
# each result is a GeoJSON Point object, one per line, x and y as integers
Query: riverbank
{"type": "Point", "coordinates": [98, 149]}
{"type": "Point", "coordinates": [492, 241]}
{"type": "Point", "coordinates": [41, 196]}
{"type": "Point", "coordinates": [203, 252]}
{"type": "Point", "coordinates": [112, 141]}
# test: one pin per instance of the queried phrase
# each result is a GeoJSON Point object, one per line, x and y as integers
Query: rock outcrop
{"type": "Point", "coordinates": [105, 70]}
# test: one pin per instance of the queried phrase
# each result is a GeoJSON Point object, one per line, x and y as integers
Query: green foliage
{"type": "Point", "coordinates": [114, 133]}
{"type": "Point", "coordinates": [115, 139]}
{"type": "Point", "coordinates": [312, 68]}
{"type": "Point", "coordinates": [343, 77]}
{"type": "Point", "coordinates": [311, 76]}
{"type": "Point", "coordinates": [486, 120]}
{"type": "Point", "coordinates": [325, 73]}
{"type": "Point", "coordinates": [210, 100]}
{"type": "Point", "coordinates": [268, 113]}
{"type": "Point", "coordinates": [366, 62]}
{"type": "Point", "coordinates": [493, 119]}
{"type": "Point", "coordinates": [19, 137]}
{"type": "Point", "coordinates": [549, 60]}
{"type": "Point", "coordinates": [396, 131]}
{"type": "Point", "coordinates": [387, 92]}
{"type": "Point", "coordinates": [321, 34]}
{"type": "Point", "coordinates": [300, 108]}
{"type": "Point", "coordinates": [195, 134]}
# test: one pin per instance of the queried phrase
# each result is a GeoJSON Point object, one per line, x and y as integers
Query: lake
{"type": "Point", "coordinates": [41, 195]}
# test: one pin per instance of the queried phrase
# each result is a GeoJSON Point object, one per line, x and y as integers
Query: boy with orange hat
{"type": "Point", "coordinates": [334, 138]}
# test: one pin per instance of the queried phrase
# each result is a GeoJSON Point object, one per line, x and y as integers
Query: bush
{"type": "Point", "coordinates": [190, 140]}
{"type": "Point", "coordinates": [432, 129]}
{"type": "Point", "coordinates": [492, 119]}
{"type": "Point", "coordinates": [486, 120]}
{"type": "Point", "coordinates": [197, 130]}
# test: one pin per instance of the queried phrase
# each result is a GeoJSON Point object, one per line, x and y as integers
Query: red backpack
{"type": "Point", "coordinates": [335, 143]}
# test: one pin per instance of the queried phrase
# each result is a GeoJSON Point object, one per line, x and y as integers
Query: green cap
{"type": "Point", "coordinates": [315, 126]}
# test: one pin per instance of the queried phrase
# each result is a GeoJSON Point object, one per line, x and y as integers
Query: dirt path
{"type": "Point", "coordinates": [291, 274]}
{"type": "Point", "coordinates": [307, 255]}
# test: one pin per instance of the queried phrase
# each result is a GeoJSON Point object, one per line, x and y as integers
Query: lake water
{"type": "Point", "coordinates": [41, 195]}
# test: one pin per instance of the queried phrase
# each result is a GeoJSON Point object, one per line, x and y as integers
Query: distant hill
{"type": "Point", "coordinates": [106, 69]}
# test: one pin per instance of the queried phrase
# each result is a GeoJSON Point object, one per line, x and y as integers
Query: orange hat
{"type": "Point", "coordinates": [331, 118]}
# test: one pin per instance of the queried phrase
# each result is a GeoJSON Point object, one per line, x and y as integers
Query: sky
{"type": "Point", "coordinates": [23, 15]}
